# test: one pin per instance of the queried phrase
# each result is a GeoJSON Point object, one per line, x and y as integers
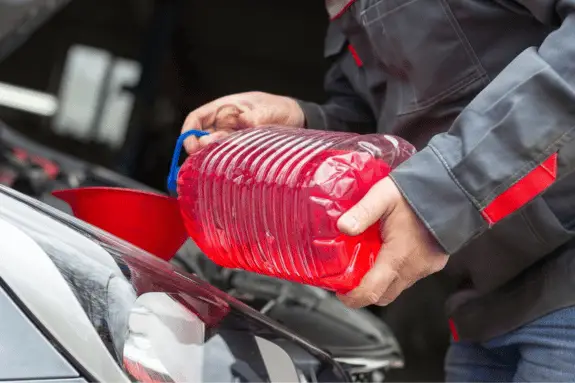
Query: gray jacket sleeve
{"type": "Point", "coordinates": [513, 141]}
{"type": "Point", "coordinates": [344, 110]}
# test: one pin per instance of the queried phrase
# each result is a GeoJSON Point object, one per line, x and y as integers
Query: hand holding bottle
{"type": "Point", "coordinates": [409, 251]}
{"type": "Point", "coordinates": [240, 111]}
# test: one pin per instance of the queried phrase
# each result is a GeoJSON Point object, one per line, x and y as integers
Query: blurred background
{"type": "Point", "coordinates": [111, 81]}
{"type": "Point", "coordinates": [118, 77]}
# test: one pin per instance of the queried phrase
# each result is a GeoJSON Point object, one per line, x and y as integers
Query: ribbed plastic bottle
{"type": "Point", "coordinates": [267, 200]}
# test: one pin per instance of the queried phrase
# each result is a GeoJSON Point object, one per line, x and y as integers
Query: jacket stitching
{"type": "Point", "coordinates": [380, 15]}
{"type": "Point", "coordinates": [532, 228]}
{"type": "Point", "coordinates": [512, 89]}
{"type": "Point", "coordinates": [464, 82]}
{"type": "Point", "coordinates": [529, 166]}
{"type": "Point", "coordinates": [490, 219]}
{"type": "Point", "coordinates": [481, 72]}
{"type": "Point", "coordinates": [395, 52]}
{"type": "Point", "coordinates": [451, 175]}
{"type": "Point", "coordinates": [478, 73]}
{"type": "Point", "coordinates": [478, 230]}
{"type": "Point", "coordinates": [467, 80]}
{"type": "Point", "coordinates": [420, 216]}
{"type": "Point", "coordinates": [552, 148]}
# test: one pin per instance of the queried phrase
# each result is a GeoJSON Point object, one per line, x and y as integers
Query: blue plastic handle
{"type": "Point", "coordinates": [174, 168]}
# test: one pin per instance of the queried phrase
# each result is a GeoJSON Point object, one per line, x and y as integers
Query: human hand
{"type": "Point", "coordinates": [409, 251]}
{"type": "Point", "coordinates": [240, 111]}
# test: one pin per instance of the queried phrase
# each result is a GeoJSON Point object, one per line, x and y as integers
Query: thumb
{"type": "Point", "coordinates": [375, 205]}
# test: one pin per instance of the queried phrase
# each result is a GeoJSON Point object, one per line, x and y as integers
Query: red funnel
{"type": "Point", "coordinates": [148, 220]}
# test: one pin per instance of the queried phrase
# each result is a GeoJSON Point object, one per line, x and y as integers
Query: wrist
{"type": "Point", "coordinates": [313, 115]}
{"type": "Point", "coordinates": [297, 115]}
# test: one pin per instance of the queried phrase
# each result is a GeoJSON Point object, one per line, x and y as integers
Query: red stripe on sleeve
{"type": "Point", "coordinates": [526, 189]}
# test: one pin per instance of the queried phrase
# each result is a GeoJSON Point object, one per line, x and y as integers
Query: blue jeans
{"type": "Point", "coordinates": [541, 351]}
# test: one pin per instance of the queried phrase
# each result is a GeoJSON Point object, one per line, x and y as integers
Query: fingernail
{"type": "Point", "coordinates": [348, 223]}
{"type": "Point", "coordinates": [383, 303]}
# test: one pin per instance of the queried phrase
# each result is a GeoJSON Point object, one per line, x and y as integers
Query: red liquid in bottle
{"type": "Point", "coordinates": [268, 201]}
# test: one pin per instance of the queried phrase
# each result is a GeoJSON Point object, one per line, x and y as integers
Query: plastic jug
{"type": "Point", "coordinates": [267, 200]}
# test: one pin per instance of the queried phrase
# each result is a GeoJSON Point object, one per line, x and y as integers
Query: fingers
{"type": "Point", "coordinates": [375, 205]}
{"type": "Point", "coordinates": [393, 272]}
{"type": "Point", "coordinates": [191, 144]}
{"type": "Point", "coordinates": [250, 119]}
{"type": "Point", "coordinates": [394, 290]}
{"type": "Point", "coordinates": [372, 287]}
{"type": "Point", "coordinates": [409, 251]}
{"type": "Point", "coordinates": [380, 286]}
{"type": "Point", "coordinates": [217, 117]}
{"type": "Point", "coordinates": [212, 137]}
{"type": "Point", "coordinates": [240, 111]}
{"type": "Point", "coordinates": [225, 117]}
{"type": "Point", "coordinates": [196, 120]}
{"type": "Point", "coordinates": [199, 117]}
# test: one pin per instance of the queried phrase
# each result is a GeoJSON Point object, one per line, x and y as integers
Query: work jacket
{"type": "Point", "coordinates": [486, 92]}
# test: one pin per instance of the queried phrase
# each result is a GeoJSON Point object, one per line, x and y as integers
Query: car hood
{"type": "Point", "coordinates": [83, 285]}
{"type": "Point", "coordinates": [20, 18]}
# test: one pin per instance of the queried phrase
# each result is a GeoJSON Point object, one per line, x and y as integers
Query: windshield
{"type": "Point", "coordinates": [162, 324]}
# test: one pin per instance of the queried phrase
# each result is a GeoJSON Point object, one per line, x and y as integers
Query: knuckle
{"type": "Point", "coordinates": [421, 275]}
{"type": "Point", "coordinates": [372, 298]}
{"type": "Point", "coordinates": [394, 291]}
{"type": "Point", "coordinates": [389, 296]}
{"type": "Point", "coordinates": [425, 271]}
{"type": "Point", "coordinates": [384, 301]}
{"type": "Point", "coordinates": [435, 269]}
{"type": "Point", "coordinates": [382, 276]}
{"type": "Point", "coordinates": [436, 266]}
{"type": "Point", "coordinates": [190, 121]}
{"type": "Point", "coordinates": [361, 214]}
{"type": "Point", "coordinates": [397, 263]}
{"type": "Point", "coordinates": [362, 210]}
{"type": "Point", "coordinates": [187, 121]}
{"type": "Point", "coordinates": [395, 275]}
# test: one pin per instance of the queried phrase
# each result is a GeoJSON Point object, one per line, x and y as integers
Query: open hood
{"type": "Point", "coordinates": [20, 18]}
{"type": "Point", "coordinates": [117, 311]}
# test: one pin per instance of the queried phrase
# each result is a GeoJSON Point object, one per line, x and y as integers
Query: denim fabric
{"type": "Point", "coordinates": [541, 351]}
